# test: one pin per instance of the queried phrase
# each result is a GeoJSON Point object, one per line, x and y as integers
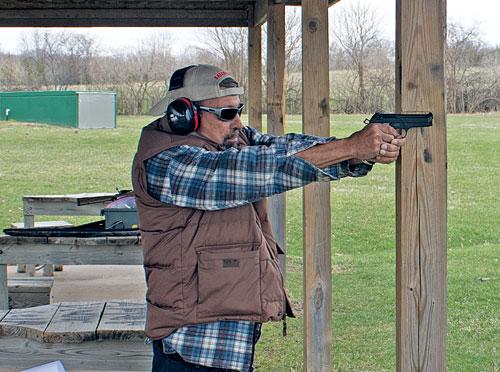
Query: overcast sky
{"type": "Point", "coordinates": [485, 13]}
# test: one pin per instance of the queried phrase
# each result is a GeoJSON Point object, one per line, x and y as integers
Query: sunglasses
{"type": "Point", "coordinates": [223, 113]}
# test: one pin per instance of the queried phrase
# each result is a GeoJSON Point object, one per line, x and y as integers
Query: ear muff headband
{"type": "Point", "coordinates": [194, 109]}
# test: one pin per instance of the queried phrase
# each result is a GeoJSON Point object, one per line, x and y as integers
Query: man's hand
{"type": "Point", "coordinates": [378, 143]}
{"type": "Point", "coordinates": [389, 152]}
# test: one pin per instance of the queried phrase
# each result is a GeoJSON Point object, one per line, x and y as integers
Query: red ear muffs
{"type": "Point", "coordinates": [182, 116]}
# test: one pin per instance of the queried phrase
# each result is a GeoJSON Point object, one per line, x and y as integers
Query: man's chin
{"type": "Point", "coordinates": [231, 141]}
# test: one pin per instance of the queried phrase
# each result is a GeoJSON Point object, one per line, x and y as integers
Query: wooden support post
{"type": "Point", "coordinates": [421, 204]}
{"type": "Point", "coordinates": [29, 221]}
{"type": "Point", "coordinates": [276, 108]}
{"type": "Point", "coordinates": [255, 77]}
{"type": "Point", "coordinates": [4, 289]}
{"type": "Point", "coordinates": [317, 226]}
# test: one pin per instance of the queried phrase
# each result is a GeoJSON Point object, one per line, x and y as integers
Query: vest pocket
{"type": "Point", "coordinates": [228, 282]}
{"type": "Point", "coordinates": [164, 286]}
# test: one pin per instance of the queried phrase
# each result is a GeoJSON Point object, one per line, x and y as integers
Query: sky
{"type": "Point", "coordinates": [485, 13]}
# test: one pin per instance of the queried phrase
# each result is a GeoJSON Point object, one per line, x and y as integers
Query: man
{"type": "Point", "coordinates": [200, 179]}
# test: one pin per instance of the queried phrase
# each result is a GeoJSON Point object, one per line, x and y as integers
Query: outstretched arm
{"type": "Point", "coordinates": [376, 142]}
{"type": "Point", "coordinates": [193, 177]}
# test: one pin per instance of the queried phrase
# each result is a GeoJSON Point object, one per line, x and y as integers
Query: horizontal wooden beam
{"type": "Point", "coordinates": [151, 13]}
{"type": "Point", "coordinates": [74, 252]}
{"type": "Point", "coordinates": [123, 17]}
{"type": "Point", "coordinates": [112, 355]}
{"type": "Point", "coordinates": [299, 2]}
{"type": "Point", "coordinates": [122, 4]}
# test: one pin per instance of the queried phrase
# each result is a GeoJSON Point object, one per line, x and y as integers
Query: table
{"type": "Point", "coordinates": [106, 354]}
{"type": "Point", "coordinates": [68, 251]}
{"type": "Point", "coordinates": [83, 204]}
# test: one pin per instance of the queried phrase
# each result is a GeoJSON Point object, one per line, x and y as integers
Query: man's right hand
{"type": "Point", "coordinates": [376, 142]}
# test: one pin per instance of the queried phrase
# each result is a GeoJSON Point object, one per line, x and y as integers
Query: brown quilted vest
{"type": "Point", "coordinates": [203, 266]}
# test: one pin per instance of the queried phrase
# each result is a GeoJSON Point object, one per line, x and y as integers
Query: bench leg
{"type": "Point", "coordinates": [30, 269]}
{"type": "Point", "coordinates": [21, 268]}
{"type": "Point", "coordinates": [48, 270]}
{"type": "Point", "coordinates": [4, 289]}
{"type": "Point", "coordinates": [29, 221]}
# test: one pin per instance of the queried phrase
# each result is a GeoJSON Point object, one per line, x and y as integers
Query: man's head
{"type": "Point", "coordinates": [213, 93]}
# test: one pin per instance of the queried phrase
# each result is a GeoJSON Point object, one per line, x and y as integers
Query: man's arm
{"type": "Point", "coordinates": [193, 177]}
{"type": "Point", "coordinates": [376, 142]}
{"type": "Point", "coordinates": [266, 139]}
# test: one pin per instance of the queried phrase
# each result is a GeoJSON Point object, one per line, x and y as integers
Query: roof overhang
{"type": "Point", "coordinates": [130, 13]}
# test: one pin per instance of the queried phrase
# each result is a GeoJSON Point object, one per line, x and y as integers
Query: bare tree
{"type": "Point", "coordinates": [227, 46]}
{"type": "Point", "coordinates": [293, 60]}
{"type": "Point", "coordinates": [463, 52]}
{"type": "Point", "coordinates": [481, 91]}
{"type": "Point", "coordinates": [357, 33]}
{"type": "Point", "coordinates": [56, 60]}
{"type": "Point", "coordinates": [9, 70]}
{"type": "Point", "coordinates": [140, 75]}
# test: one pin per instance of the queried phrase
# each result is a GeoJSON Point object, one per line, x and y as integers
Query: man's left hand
{"type": "Point", "coordinates": [389, 151]}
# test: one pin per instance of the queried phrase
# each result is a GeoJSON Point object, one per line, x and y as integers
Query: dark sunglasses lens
{"type": "Point", "coordinates": [228, 113]}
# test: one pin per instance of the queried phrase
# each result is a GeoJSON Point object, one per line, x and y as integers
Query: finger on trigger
{"type": "Point", "coordinates": [390, 130]}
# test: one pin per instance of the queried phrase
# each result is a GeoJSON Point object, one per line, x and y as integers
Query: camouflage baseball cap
{"type": "Point", "coordinates": [198, 82]}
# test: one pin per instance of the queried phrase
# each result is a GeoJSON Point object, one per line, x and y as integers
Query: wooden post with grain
{"type": "Point", "coordinates": [421, 189]}
{"type": "Point", "coordinates": [255, 77]}
{"type": "Point", "coordinates": [276, 109]}
{"type": "Point", "coordinates": [317, 229]}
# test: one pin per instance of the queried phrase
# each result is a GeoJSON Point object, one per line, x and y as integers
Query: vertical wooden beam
{"type": "Point", "coordinates": [29, 221]}
{"type": "Point", "coordinates": [255, 77]}
{"type": "Point", "coordinates": [317, 226]}
{"type": "Point", "coordinates": [276, 108]}
{"type": "Point", "coordinates": [421, 232]}
{"type": "Point", "coordinates": [4, 289]}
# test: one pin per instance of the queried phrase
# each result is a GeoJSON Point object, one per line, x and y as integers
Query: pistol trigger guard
{"type": "Point", "coordinates": [366, 121]}
{"type": "Point", "coordinates": [403, 133]}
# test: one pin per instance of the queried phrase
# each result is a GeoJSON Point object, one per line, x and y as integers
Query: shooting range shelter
{"type": "Point", "coordinates": [66, 108]}
{"type": "Point", "coordinates": [421, 204]}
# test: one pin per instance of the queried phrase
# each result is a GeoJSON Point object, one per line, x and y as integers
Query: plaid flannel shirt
{"type": "Point", "coordinates": [227, 344]}
{"type": "Point", "coordinates": [193, 177]}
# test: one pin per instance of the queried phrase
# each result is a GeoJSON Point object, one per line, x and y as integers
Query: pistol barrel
{"type": "Point", "coordinates": [403, 121]}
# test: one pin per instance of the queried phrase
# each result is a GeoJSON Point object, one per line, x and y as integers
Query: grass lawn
{"type": "Point", "coordinates": [40, 159]}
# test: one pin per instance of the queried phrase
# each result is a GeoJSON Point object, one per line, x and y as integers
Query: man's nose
{"type": "Point", "coordinates": [237, 122]}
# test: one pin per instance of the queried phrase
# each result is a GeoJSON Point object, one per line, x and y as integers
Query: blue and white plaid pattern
{"type": "Point", "coordinates": [224, 344]}
{"type": "Point", "coordinates": [196, 178]}
{"type": "Point", "coordinates": [193, 177]}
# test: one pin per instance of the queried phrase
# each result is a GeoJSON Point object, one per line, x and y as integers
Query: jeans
{"type": "Point", "coordinates": [174, 363]}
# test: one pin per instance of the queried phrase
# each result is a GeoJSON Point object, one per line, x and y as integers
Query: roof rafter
{"type": "Point", "coordinates": [145, 13]}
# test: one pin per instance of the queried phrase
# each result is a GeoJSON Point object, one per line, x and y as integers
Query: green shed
{"type": "Point", "coordinates": [65, 108]}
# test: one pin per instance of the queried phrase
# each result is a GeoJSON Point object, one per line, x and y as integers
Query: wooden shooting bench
{"type": "Point", "coordinates": [83, 204]}
{"type": "Point", "coordinates": [85, 335]}
{"type": "Point", "coordinates": [105, 335]}
{"type": "Point", "coordinates": [29, 292]}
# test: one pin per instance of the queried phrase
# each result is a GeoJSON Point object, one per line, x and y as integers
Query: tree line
{"type": "Point", "coordinates": [361, 65]}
